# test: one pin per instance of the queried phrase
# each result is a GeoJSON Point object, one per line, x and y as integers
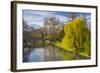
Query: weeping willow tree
{"type": "Point", "coordinates": [77, 36]}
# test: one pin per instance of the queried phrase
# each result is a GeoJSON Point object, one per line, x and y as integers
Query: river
{"type": "Point", "coordinates": [48, 53]}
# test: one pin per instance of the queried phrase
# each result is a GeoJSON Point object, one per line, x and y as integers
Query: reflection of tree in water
{"type": "Point", "coordinates": [53, 53]}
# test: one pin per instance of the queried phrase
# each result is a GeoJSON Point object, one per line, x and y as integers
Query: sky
{"type": "Point", "coordinates": [35, 18]}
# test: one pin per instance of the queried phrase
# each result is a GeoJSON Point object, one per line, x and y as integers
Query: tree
{"type": "Point", "coordinates": [77, 36]}
{"type": "Point", "coordinates": [27, 37]}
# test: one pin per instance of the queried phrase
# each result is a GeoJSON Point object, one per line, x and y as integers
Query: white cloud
{"type": "Point", "coordinates": [37, 17]}
{"type": "Point", "coordinates": [33, 18]}
{"type": "Point", "coordinates": [32, 23]}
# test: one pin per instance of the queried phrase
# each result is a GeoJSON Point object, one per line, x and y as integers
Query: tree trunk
{"type": "Point", "coordinates": [76, 51]}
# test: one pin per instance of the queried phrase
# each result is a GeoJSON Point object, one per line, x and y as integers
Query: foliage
{"type": "Point", "coordinates": [26, 34]}
{"type": "Point", "coordinates": [77, 36]}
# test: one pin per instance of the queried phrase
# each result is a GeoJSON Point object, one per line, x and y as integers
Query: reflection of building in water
{"type": "Point", "coordinates": [52, 53]}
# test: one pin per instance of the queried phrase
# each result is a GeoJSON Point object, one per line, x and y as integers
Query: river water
{"type": "Point", "coordinates": [49, 53]}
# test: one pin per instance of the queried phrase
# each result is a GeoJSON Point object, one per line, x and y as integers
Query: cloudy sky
{"type": "Point", "coordinates": [36, 18]}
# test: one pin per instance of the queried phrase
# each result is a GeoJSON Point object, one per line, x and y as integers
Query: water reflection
{"type": "Point", "coordinates": [36, 55]}
{"type": "Point", "coordinates": [48, 53]}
